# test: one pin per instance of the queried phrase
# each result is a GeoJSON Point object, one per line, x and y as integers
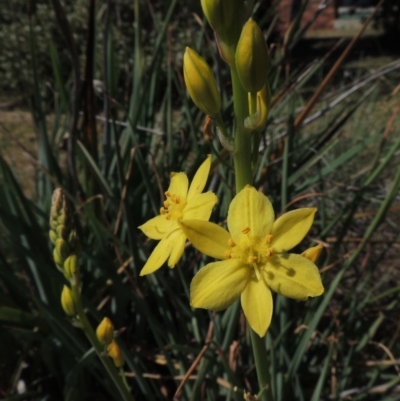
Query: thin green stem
{"type": "Point", "coordinates": [242, 156]}
{"type": "Point", "coordinates": [91, 335]}
{"type": "Point", "coordinates": [261, 361]}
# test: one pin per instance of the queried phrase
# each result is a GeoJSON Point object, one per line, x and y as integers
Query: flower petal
{"type": "Point", "coordinates": [290, 228]}
{"type": "Point", "coordinates": [160, 253]}
{"type": "Point", "coordinates": [177, 250]}
{"type": "Point", "coordinates": [209, 238]}
{"type": "Point", "coordinates": [158, 227]}
{"type": "Point", "coordinates": [217, 285]}
{"type": "Point", "coordinates": [200, 178]}
{"type": "Point", "coordinates": [250, 209]}
{"type": "Point", "coordinates": [293, 276]}
{"type": "Point", "coordinates": [200, 206]}
{"type": "Point", "coordinates": [179, 185]}
{"type": "Point", "coordinates": [257, 305]}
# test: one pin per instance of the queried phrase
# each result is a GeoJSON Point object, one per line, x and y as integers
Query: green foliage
{"type": "Point", "coordinates": [341, 161]}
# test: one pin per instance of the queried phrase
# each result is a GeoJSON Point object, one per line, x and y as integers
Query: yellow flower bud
{"type": "Point", "coordinates": [67, 301]}
{"type": "Point", "coordinates": [313, 253]}
{"type": "Point", "coordinates": [70, 266]}
{"type": "Point", "coordinates": [251, 58]}
{"type": "Point", "coordinates": [200, 83]}
{"type": "Point", "coordinates": [219, 13]}
{"type": "Point", "coordinates": [263, 107]}
{"type": "Point", "coordinates": [105, 331]}
{"type": "Point", "coordinates": [62, 248]}
{"type": "Point", "coordinates": [115, 353]}
{"type": "Point", "coordinates": [58, 260]}
{"type": "Point", "coordinates": [53, 236]}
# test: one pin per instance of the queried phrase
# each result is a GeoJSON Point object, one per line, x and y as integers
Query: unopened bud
{"type": "Point", "coordinates": [62, 249]}
{"type": "Point", "coordinates": [313, 253]}
{"type": "Point", "coordinates": [115, 353]}
{"type": "Point", "coordinates": [105, 331]}
{"type": "Point", "coordinates": [219, 13]}
{"type": "Point", "coordinates": [67, 301]}
{"type": "Point", "coordinates": [53, 236]}
{"type": "Point", "coordinates": [70, 266]}
{"type": "Point", "coordinates": [251, 58]}
{"type": "Point", "coordinates": [200, 83]}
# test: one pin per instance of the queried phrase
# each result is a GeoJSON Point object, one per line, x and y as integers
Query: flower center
{"type": "Point", "coordinates": [173, 206]}
{"type": "Point", "coordinates": [253, 251]}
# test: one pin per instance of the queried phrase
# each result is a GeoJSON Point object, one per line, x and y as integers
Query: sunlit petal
{"type": "Point", "coordinates": [290, 228]}
{"type": "Point", "coordinates": [293, 276]}
{"type": "Point", "coordinates": [179, 185]}
{"type": "Point", "coordinates": [177, 250]}
{"type": "Point", "coordinates": [160, 253]}
{"type": "Point", "coordinates": [200, 206]}
{"type": "Point", "coordinates": [158, 227]}
{"type": "Point", "coordinates": [209, 238]}
{"type": "Point", "coordinates": [250, 209]}
{"type": "Point", "coordinates": [200, 178]}
{"type": "Point", "coordinates": [257, 305]}
{"type": "Point", "coordinates": [217, 285]}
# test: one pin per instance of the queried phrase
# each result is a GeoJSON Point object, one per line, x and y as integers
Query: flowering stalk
{"type": "Point", "coordinates": [65, 254]}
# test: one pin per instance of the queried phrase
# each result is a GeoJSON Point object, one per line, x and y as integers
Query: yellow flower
{"type": "Point", "coordinates": [182, 203]}
{"type": "Point", "coordinates": [255, 258]}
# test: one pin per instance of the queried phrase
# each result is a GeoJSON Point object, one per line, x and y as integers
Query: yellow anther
{"type": "Point", "coordinates": [167, 204]}
{"type": "Point", "coordinates": [169, 217]}
{"type": "Point", "coordinates": [268, 238]}
{"type": "Point", "coordinates": [253, 259]}
{"type": "Point", "coordinates": [163, 211]}
{"type": "Point", "coordinates": [177, 200]}
{"type": "Point", "coordinates": [246, 230]}
{"type": "Point", "coordinates": [228, 254]}
{"type": "Point", "coordinates": [269, 252]}
{"type": "Point", "coordinates": [231, 243]}
{"type": "Point", "coordinates": [167, 194]}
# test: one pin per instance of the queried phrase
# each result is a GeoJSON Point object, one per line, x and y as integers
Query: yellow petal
{"type": "Point", "coordinates": [250, 209]}
{"type": "Point", "coordinates": [160, 253]}
{"type": "Point", "coordinates": [177, 250]}
{"type": "Point", "coordinates": [313, 253]}
{"type": "Point", "coordinates": [291, 228]}
{"type": "Point", "coordinates": [293, 276]}
{"type": "Point", "coordinates": [158, 227]}
{"type": "Point", "coordinates": [217, 285]}
{"type": "Point", "coordinates": [200, 178]}
{"type": "Point", "coordinates": [209, 238]}
{"type": "Point", "coordinates": [179, 185]}
{"type": "Point", "coordinates": [257, 305]}
{"type": "Point", "coordinates": [200, 206]}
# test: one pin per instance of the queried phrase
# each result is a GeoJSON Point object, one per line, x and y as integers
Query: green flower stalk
{"type": "Point", "coordinates": [200, 83]}
{"type": "Point", "coordinates": [66, 249]}
{"type": "Point", "coordinates": [251, 58]}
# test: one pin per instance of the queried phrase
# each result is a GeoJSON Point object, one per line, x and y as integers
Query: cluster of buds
{"type": "Point", "coordinates": [242, 46]}
{"type": "Point", "coordinates": [105, 335]}
{"type": "Point", "coordinates": [66, 247]}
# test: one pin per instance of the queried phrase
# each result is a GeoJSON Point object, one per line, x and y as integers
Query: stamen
{"type": "Point", "coordinates": [169, 217]}
{"type": "Point", "coordinates": [167, 204]}
{"type": "Point", "coordinates": [163, 210]}
{"type": "Point", "coordinates": [269, 252]}
{"type": "Point", "coordinates": [252, 260]}
{"type": "Point", "coordinates": [268, 238]}
{"type": "Point", "coordinates": [231, 243]}
{"type": "Point", "coordinates": [246, 230]}
{"type": "Point", "coordinates": [228, 254]}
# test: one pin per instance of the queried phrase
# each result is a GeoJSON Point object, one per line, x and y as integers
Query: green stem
{"type": "Point", "coordinates": [91, 335]}
{"type": "Point", "coordinates": [242, 156]}
{"type": "Point", "coordinates": [261, 361]}
{"type": "Point", "coordinates": [244, 176]}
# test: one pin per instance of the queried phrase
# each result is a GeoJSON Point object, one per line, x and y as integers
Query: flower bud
{"type": "Point", "coordinates": [67, 301]}
{"type": "Point", "coordinates": [70, 266]}
{"type": "Point", "coordinates": [105, 331]}
{"type": "Point", "coordinates": [53, 236]}
{"type": "Point", "coordinates": [313, 253]}
{"type": "Point", "coordinates": [263, 107]}
{"type": "Point", "coordinates": [251, 58]}
{"type": "Point", "coordinates": [200, 83]}
{"type": "Point", "coordinates": [219, 13]}
{"type": "Point", "coordinates": [58, 260]}
{"type": "Point", "coordinates": [62, 249]}
{"type": "Point", "coordinates": [115, 353]}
